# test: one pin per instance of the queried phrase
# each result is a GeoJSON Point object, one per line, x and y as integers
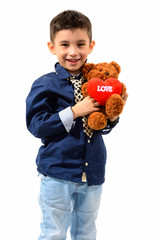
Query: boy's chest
{"type": "Point", "coordinates": [63, 96]}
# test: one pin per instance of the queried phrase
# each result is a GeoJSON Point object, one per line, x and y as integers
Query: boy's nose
{"type": "Point", "coordinates": [73, 51]}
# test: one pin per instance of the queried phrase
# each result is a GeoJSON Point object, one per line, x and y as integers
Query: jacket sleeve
{"type": "Point", "coordinates": [110, 126]}
{"type": "Point", "coordinates": [41, 116]}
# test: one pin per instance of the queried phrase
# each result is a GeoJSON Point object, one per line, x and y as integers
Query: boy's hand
{"type": "Point", "coordinates": [85, 107]}
{"type": "Point", "coordinates": [89, 105]}
{"type": "Point", "coordinates": [124, 100]}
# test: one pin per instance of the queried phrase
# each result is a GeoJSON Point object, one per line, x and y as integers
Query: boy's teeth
{"type": "Point", "coordinates": [73, 60]}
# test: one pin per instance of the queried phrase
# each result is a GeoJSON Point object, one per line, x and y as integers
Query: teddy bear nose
{"type": "Point", "coordinates": [106, 73]}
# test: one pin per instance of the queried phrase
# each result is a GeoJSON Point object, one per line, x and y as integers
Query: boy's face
{"type": "Point", "coordinates": [71, 49]}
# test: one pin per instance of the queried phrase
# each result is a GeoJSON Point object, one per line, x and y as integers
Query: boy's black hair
{"type": "Point", "coordinates": [70, 19]}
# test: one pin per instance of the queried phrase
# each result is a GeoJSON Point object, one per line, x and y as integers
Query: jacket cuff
{"type": "Point", "coordinates": [112, 124]}
{"type": "Point", "coordinates": [66, 117]}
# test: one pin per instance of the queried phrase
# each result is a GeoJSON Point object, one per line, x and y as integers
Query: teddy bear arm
{"type": "Point", "coordinates": [97, 121]}
{"type": "Point", "coordinates": [84, 89]}
{"type": "Point", "coordinates": [114, 106]}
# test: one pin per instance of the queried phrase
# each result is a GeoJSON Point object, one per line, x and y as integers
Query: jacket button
{"type": "Point", "coordinates": [86, 164]}
{"type": "Point", "coordinates": [89, 141]}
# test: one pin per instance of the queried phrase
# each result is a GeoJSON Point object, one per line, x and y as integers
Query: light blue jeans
{"type": "Point", "coordinates": [67, 204]}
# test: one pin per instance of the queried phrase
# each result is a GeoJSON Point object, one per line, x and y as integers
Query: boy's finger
{"type": "Point", "coordinates": [96, 104]}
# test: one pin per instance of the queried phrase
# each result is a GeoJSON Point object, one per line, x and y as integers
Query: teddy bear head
{"type": "Point", "coordinates": [101, 70]}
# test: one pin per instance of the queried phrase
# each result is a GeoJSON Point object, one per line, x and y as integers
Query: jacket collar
{"type": "Point", "coordinates": [63, 73]}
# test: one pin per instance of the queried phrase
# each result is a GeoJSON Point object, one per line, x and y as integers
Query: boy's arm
{"type": "Point", "coordinates": [41, 119]}
{"type": "Point", "coordinates": [66, 117]}
{"type": "Point", "coordinates": [110, 126]}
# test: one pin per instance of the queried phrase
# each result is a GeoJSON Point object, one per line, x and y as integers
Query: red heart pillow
{"type": "Point", "coordinates": [101, 90]}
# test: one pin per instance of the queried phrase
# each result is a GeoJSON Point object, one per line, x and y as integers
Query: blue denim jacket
{"type": "Point", "coordinates": [66, 152]}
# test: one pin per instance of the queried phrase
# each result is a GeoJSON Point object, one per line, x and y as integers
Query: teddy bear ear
{"type": "Point", "coordinates": [86, 68]}
{"type": "Point", "coordinates": [116, 66]}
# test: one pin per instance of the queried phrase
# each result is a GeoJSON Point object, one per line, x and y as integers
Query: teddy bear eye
{"type": "Point", "coordinates": [106, 73]}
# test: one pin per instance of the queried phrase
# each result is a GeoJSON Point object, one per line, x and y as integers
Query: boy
{"type": "Point", "coordinates": [71, 163]}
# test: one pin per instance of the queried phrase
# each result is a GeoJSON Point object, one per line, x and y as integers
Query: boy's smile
{"type": "Point", "coordinates": [71, 48]}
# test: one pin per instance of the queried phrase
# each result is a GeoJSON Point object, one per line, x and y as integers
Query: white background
{"type": "Point", "coordinates": [126, 32]}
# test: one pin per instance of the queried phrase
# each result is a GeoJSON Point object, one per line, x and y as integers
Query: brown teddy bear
{"type": "Point", "coordinates": [103, 85]}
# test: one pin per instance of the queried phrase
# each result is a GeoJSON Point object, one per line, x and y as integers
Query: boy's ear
{"type": "Point", "coordinates": [51, 48]}
{"type": "Point", "coordinates": [91, 46]}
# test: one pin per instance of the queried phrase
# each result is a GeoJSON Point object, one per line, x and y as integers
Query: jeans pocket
{"type": "Point", "coordinates": [44, 178]}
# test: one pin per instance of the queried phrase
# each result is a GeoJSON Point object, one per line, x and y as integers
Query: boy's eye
{"type": "Point", "coordinates": [65, 45]}
{"type": "Point", "coordinates": [80, 44]}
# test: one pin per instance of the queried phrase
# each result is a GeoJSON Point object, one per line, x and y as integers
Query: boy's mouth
{"type": "Point", "coordinates": [73, 60]}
